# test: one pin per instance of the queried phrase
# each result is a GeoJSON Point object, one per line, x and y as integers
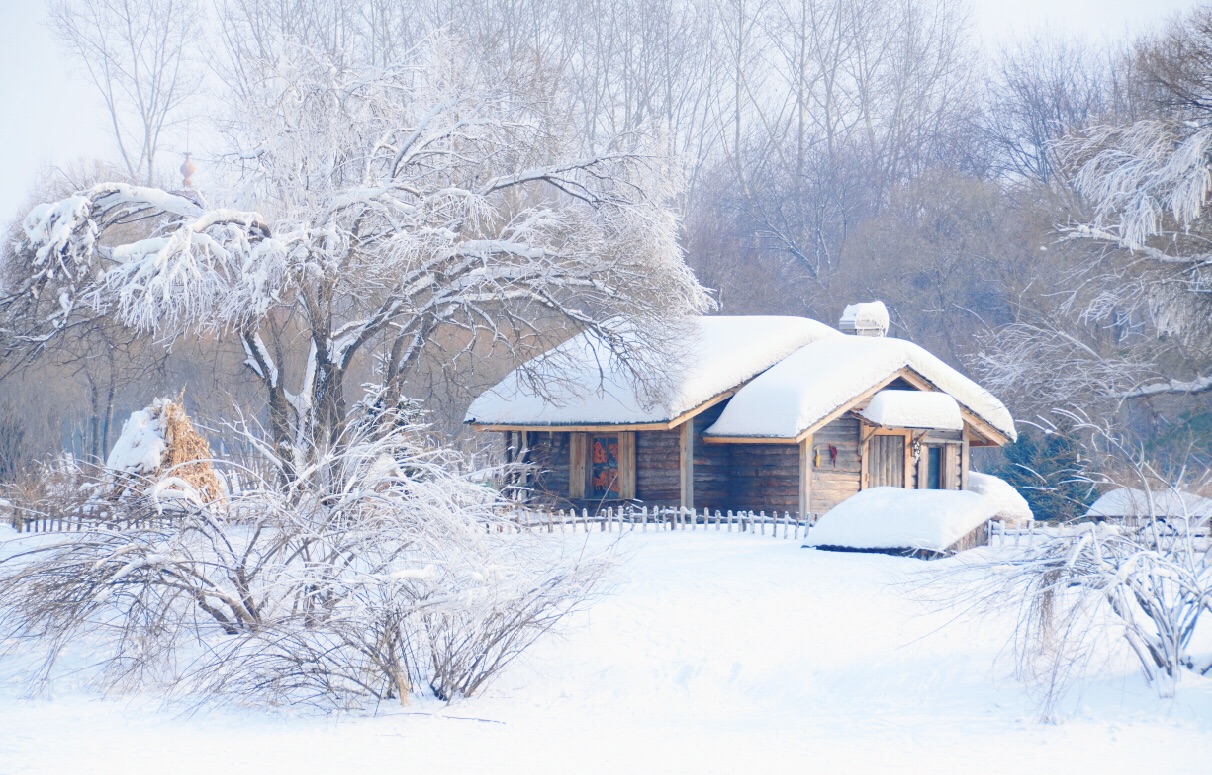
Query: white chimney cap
{"type": "Point", "coordinates": [865, 319]}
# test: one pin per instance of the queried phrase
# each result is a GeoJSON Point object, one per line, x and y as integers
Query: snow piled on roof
{"type": "Point", "coordinates": [1012, 507]}
{"type": "Point", "coordinates": [866, 316]}
{"type": "Point", "coordinates": [1132, 502]}
{"type": "Point", "coordinates": [830, 373]}
{"type": "Point", "coordinates": [141, 446]}
{"type": "Point", "coordinates": [720, 353]}
{"type": "Point", "coordinates": [914, 409]}
{"type": "Point", "coordinates": [895, 518]}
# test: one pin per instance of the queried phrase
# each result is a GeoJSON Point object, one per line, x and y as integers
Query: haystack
{"type": "Point", "coordinates": [160, 440]}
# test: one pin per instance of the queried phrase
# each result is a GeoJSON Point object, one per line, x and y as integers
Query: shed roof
{"type": "Point", "coordinates": [588, 387]}
{"type": "Point", "coordinates": [830, 374]}
{"type": "Point", "coordinates": [1133, 502]}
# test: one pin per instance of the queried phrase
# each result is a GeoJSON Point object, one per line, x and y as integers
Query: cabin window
{"type": "Point", "coordinates": [934, 468]}
{"type": "Point", "coordinates": [602, 466]}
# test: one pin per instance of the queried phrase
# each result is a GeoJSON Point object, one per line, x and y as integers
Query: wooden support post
{"type": "Point", "coordinates": [627, 465]}
{"type": "Point", "coordinates": [965, 458]}
{"type": "Point", "coordinates": [687, 467]}
{"type": "Point", "coordinates": [578, 453]}
{"type": "Point", "coordinates": [805, 477]}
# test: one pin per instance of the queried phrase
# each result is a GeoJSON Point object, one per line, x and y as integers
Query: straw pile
{"type": "Point", "coordinates": [161, 441]}
{"type": "Point", "coordinates": [187, 454]}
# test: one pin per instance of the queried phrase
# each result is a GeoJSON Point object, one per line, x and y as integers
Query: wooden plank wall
{"type": "Point", "coordinates": [765, 477]}
{"type": "Point", "coordinates": [712, 464]}
{"type": "Point", "coordinates": [549, 454]}
{"type": "Point", "coordinates": [835, 481]}
{"type": "Point", "coordinates": [657, 467]}
{"type": "Point", "coordinates": [758, 477]}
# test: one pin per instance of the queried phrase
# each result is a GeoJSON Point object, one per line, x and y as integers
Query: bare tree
{"type": "Point", "coordinates": [140, 56]}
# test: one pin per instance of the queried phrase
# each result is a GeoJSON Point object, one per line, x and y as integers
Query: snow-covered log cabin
{"type": "Point", "coordinates": [761, 413]}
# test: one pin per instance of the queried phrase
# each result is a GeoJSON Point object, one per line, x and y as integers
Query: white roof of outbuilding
{"type": "Point", "coordinates": [866, 316]}
{"type": "Point", "coordinates": [718, 354]}
{"type": "Point", "coordinates": [896, 518]}
{"type": "Point", "coordinates": [826, 375]}
{"type": "Point", "coordinates": [914, 409]}
{"type": "Point", "coordinates": [1132, 502]}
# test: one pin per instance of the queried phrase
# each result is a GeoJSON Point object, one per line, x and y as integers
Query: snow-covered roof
{"type": "Point", "coordinates": [914, 409]}
{"type": "Point", "coordinates": [866, 316]}
{"type": "Point", "coordinates": [897, 518]}
{"type": "Point", "coordinates": [828, 374]}
{"type": "Point", "coordinates": [718, 354]}
{"type": "Point", "coordinates": [1132, 502]}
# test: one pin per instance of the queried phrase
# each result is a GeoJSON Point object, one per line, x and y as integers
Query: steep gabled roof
{"type": "Point", "coordinates": [588, 387]}
{"type": "Point", "coordinates": [828, 375]}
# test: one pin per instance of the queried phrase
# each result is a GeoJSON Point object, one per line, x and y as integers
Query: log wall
{"type": "Point", "coordinates": [765, 477]}
{"type": "Point", "coordinates": [835, 479]}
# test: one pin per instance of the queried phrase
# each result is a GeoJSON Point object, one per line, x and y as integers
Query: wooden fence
{"type": "Point", "coordinates": [644, 519]}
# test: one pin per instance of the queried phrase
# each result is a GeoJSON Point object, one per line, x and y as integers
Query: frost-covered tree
{"type": "Point", "coordinates": [372, 212]}
{"type": "Point", "coordinates": [1134, 322]}
{"type": "Point", "coordinates": [1046, 467]}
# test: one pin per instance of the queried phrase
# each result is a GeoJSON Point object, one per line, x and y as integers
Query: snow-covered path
{"type": "Point", "coordinates": [715, 653]}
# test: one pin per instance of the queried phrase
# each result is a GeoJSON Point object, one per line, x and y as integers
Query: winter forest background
{"type": "Point", "coordinates": [1033, 215]}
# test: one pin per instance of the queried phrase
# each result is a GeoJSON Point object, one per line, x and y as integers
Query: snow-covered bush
{"type": "Point", "coordinates": [375, 573]}
{"type": "Point", "coordinates": [1152, 583]}
{"type": "Point", "coordinates": [1147, 580]}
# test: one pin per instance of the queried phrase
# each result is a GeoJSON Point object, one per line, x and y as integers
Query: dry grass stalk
{"type": "Point", "coordinates": [187, 455]}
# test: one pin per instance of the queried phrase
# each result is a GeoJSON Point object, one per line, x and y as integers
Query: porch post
{"type": "Point", "coordinates": [687, 467]}
{"type": "Point", "coordinates": [805, 477]}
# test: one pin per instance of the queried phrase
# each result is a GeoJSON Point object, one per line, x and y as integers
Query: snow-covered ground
{"type": "Point", "coordinates": [714, 653]}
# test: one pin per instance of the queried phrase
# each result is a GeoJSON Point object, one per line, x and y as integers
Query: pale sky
{"type": "Point", "coordinates": [49, 117]}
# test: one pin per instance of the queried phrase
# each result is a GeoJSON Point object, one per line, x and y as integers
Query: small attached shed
{"type": "Point", "coordinates": [762, 413]}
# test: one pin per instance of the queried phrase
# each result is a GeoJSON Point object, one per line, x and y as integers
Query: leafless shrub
{"type": "Point", "coordinates": [374, 574]}
{"type": "Point", "coordinates": [1146, 578]}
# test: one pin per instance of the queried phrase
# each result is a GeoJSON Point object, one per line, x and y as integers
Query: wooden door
{"type": "Point", "coordinates": [887, 465]}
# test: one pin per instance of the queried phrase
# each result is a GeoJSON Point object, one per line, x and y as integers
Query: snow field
{"type": "Point", "coordinates": [711, 653]}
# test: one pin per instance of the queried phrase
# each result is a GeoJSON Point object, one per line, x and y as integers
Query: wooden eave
{"type": "Point", "coordinates": [664, 425]}
{"type": "Point", "coordinates": [986, 434]}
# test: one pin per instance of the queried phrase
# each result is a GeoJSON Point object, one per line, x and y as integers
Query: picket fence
{"type": "Point", "coordinates": [644, 519]}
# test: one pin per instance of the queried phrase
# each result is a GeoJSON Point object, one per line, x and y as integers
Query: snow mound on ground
{"type": "Point", "coordinates": [1133, 502]}
{"type": "Point", "coordinates": [141, 447]}
{"type": "Point", "coordinates": [897, 518]}
{"type": "Point", "coordinates": [830, 374]}
{"type": "Point", "coordinates": [914, 409]}
{"type": "Point", "coordinates": [1012, 507]}
{"type": "Point", "coordinates": [588, 386]}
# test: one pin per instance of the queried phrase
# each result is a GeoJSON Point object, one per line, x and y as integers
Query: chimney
{"type": "Point", "coordinates": [865, 319]}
